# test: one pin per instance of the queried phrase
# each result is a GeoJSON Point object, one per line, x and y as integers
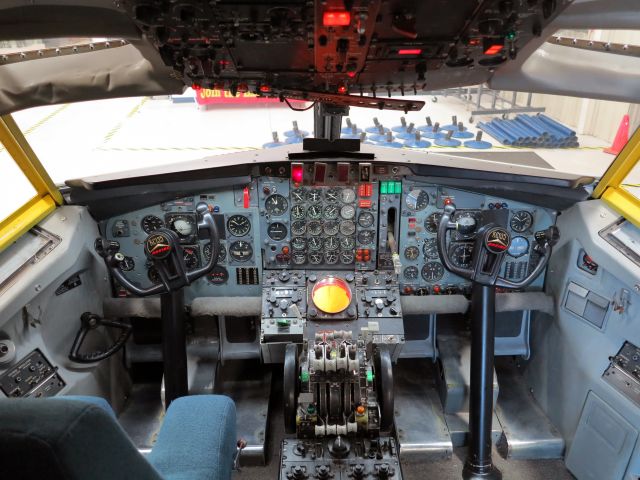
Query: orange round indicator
{"type": "Point", "coordinates": [331, 295]}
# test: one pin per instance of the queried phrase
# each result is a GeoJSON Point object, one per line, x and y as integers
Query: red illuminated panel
{"type": "Point", "coordinates": [319, 172]}
{"type": "Point", "coordinates": [246, 198]}
{"type": "Point", "coordinates": [365, 190]}
{"type": "Point", "coordinates": [343, 172]}
{"type": "Point", "coordinates": [493, 49]}
{"type": "Point", "coordinates": [364, 203]}
{"type": "Point", "coordinates": [336, 19]}
{"type": "Point", "coordinates": [410, 51]}
{"type": "Point", "coordinates": [297, 173]}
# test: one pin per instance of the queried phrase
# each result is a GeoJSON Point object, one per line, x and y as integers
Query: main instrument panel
{"type": "Point", "coordinates": [340, 216]}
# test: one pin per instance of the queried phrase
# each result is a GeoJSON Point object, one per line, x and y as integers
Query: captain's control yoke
{"type": "Point", "coordinates": [162, 247]}
{"type": "Point", "coordinates": [491, 245]}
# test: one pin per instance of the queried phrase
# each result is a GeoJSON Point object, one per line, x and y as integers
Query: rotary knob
{"type": "Point", "coordinates": [284, 276]}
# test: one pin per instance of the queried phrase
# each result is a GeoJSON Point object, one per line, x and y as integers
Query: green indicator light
{"type": "Point", "coordinates": [369, 376]}
{"type": "Point", "coordinates": [304, 376]}
{"type": "Point", "coordinates": [511, 35]}
{"type": "Point", "coordinates": [283, 322]}
{"type": "Point", "coordinates": [384, 188]}
{"type": "Point", "coordinates": [311, 409]}
{"type": "Point", "coordinates": [398, 187]}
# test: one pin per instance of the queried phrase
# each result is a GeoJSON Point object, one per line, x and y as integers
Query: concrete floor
{"type": "Point", "coordinates": [91, 138]}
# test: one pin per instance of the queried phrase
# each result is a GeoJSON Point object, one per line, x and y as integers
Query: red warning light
{"type": "Point", "coordinates": [336, 19]}
{"type": "Point", "coordinates": [265, 88]}
{"type": "Point", "coordinates": [493, 49]}
{"type": "Point", "coordinates": [342, 89]}
{"type": "Point", "coordinates": [195, 86]}
{"type": "Point", "coordinates": [297, 173]}
{"type": "Point", "coordinates": [410, 51]}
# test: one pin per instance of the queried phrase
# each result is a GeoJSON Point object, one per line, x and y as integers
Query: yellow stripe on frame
{"type": "Point", "coordinates": [20, 221]}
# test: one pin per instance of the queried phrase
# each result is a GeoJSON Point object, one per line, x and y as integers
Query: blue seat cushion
{"type": "Point", "coordinates": [197, 440]}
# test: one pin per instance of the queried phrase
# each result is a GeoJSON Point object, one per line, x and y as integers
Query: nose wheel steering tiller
{"type": "Point", "coordinates": [492, 242]}
{"type": "Point", "coordinates": [162, 247]}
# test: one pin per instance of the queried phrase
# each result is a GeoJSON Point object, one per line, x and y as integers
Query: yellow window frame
{"type": "Point", "coordinates": [611, 189]}
{"type": "Point", "coordinates": [47, 196]}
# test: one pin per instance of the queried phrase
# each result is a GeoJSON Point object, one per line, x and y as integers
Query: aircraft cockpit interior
{"type": "Point", "coordinates": [362, 298]}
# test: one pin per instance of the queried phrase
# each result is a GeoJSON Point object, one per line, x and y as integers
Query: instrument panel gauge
{"type": "Point", "coordinates": [331, 257]}
{"type": "Point", "coordinates": [521, 221]}
{"type": "Point", "coordinates": [417, 199]}
{"type": "Point", "coordinates": [299, 258]}
{"type": "Point", "coordinates": [298, 243]}
{"type": "Point", "coordinates": [466, 222]}
{"type": "Point", "coordinates": [241, 251]}
{"type": "Point", "coordinates": [347, 195]}
{"type": "Point", "coordinates": [314, 243]}
{"type": "Point", "coordinates": [348, 212]}
{"type": "Point", "coordinates": [314, 212]}
{"type": "Point", "coordinates": [365, 237]}
{"type": "Point", "coordinates": [298, 195]}
{"type": "Point", "coordinates": [191, 257]}
{"type": "Point", "coordinates": [347, 228]}
{"type": "Point", "coordinates": [332, 195]}
{"type": "Point", "coordinates": [276, 205]}
{"type": "Point", "coordinates": [331, 243]}
{"type": "Point", "coordinates": [432, 222]}
{"type": "Point", "coordinates": [151, 223]}
{"type": "Point", "coordinates": [347, 257]}
{"type": "Point", "coordinates": [366, 219]}
{"type": "Point", "coordinates": [331, 212]}
{"type": "Point", "coordinates": [297, 212]}
{"type": "Point", "coordinates": [462, 254]}
{"type": "Point", "coordinates": [222, 254]}
{"type": "Point", "coordinates": [519, 247]}
{"type": "Point", "coordinates": [432, 272]}
{"type": "Point", "coordinates": [314, 195]}
{"type": "Point", "coordinates": [315, 258]}
{"type": "Point", "coordinates": [298, 228]}
{"type": "Point", "coordinates": [183, 225]}
{"type": "Point", "coordinates": [238, 225]}
{"type": "Point", "coordinates": [347, 243]}
{"type": "Point", "coordinates": [410, 273]}
{"type": "Point", "coordinates": [314, 228]}
{"type": "Point", "coordinates": [331, 227]}
{"type": "Point", "coordinates": [277, 231]}
{"type": "Point", "coordinates": [127, 264]}
{"type": "Point", "coordinates": [411, 253]}
{"type": "Point", "coordinates": [430, 248]}
{"type": "Point", "coordinates": [218, 275]}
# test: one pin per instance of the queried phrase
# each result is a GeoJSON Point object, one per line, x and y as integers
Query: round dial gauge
{"type": "Point", "coordinates": [151, 223]}
{"type": "Point", "coordinates": [331, 227]}
{"type": "Point", "coordinates": [332, 195]}
{"type": "Point", "coordinates": [240, 251]}
{"type": "Point", "coordinates": [347, 243]}
{"type": "Point", "coordinates": [218, 275]}
{"type": "Point", "coordinates": [127, 264]}
{"type": "Point", "coordinates": [314, 228]}
{"type": "Point", "coordinates": [432, 222]}
{"type": "Point", "coordinates": [411, 253]}
{"type": "Point", "coordinates": [365, 237]}
{"type": "Point", "coordinates": [348, 212]}
{"type": "Point", "coordinates": [519, 247]}
{"type": "Point", "coordinates": [206, 251]}
{"type": "Point", "coordinates": [298, 195]}
{"type": "Point", "coordinates": [365, 219]}
{"type": "Point", "coordinates": [314, 211]}
{"type": "Point", "coordinates": [314, 195]}
{"type": "Point", "coordinates": [314, 243]}
{"type": "Point", "coordinates": [298, 228]}
{"type": "Point", "coordinates": [347, 195]}
{"type": "Point", "coordinates": [297, 212]}
{"type": "Point", "coordinates": [315, 258]}
{"type": "Point", "coordinates": [432, 271]}
{"type": "Point", "coordinates": [347, 227]}
{"type": "Point", "coordinates": [191, 259]}
{"type": "Point", "coordinates": [346, 257]}
{"type": "Point", "coordinates": [238, 225]}
{"type": "Point", "coordinates": [299, 258]}
{"type": "Point", "coordinates": [298, 243]}
{"type": "Point", "coordinates": [276, 205]}
{"type": "Point", "coordinates": [461, 255]}
{"type": "Point", "coordinates": [521, 221]}
{"type": "Point", "coordinates": [183, 225]}
{"type": "Point", "coordinates": [331, 212]}
{"type": "Point", "coordinates": [277, 231]}
{"type": "Point", "coordinates": [411, 272]}
{"type": "Point", "coordinates": [331, 243]}
{"type": "Point", "coordinates": [466, 223]}
{"type": "Point", "coordinates": [417, 199]}
{"type": "Point", "coordinates": [331, 257]}
{"type": "Point", "coordinates": [430, 248]}
{"type": "Point", "coordinates": [154, 276]}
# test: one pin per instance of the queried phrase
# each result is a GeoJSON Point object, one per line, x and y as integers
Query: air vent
{"type": "Point", "coordinates": [247, 276]}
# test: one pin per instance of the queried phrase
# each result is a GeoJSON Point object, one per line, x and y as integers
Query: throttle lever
{"type": "Point", "coordinates": [104, 247]}
{"type": "Point", "coordinates": [549, 236]}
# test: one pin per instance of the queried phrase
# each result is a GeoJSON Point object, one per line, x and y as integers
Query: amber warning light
{"type": "Point", "coordinates": [331, 295]}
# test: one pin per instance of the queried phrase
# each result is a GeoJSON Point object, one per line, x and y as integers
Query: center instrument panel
{"type": "Point", "coordinates": [340, 216]}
